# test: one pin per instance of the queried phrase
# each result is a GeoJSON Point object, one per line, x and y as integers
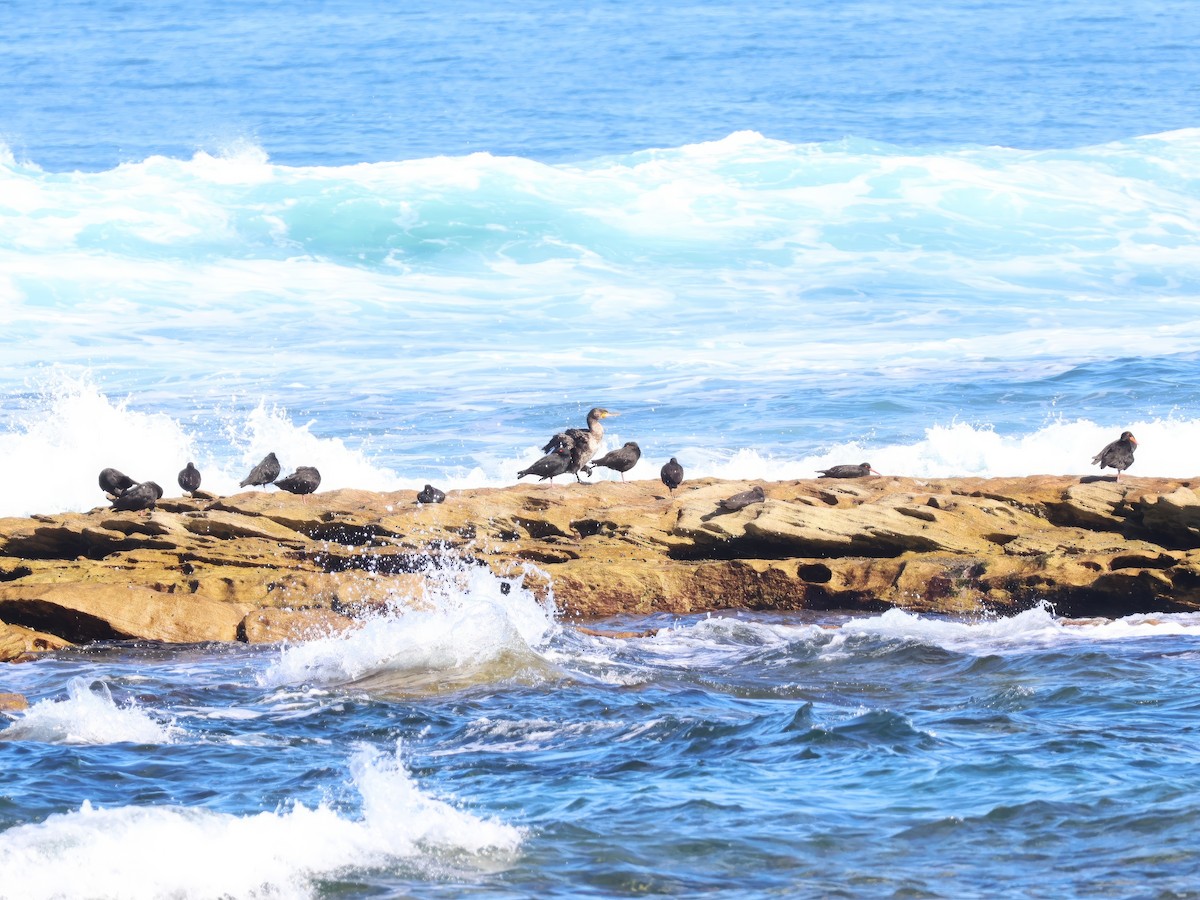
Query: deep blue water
{"type": "Point", "coordinates": [89, 85]}
{"type": "Point", "coordinates": [407, 244]}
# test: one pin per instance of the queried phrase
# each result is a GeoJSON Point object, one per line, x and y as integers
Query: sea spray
{"type": "Point", "coordinates": [89, 715]}
{"type": "Point", "coordinates": [469, 628]}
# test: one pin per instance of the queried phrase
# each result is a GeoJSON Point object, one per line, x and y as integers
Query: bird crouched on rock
{"type": "Point", "coordinates": [859, 471]}
{"type": "Point", "coordinates": [430, 494]}
{"type": "Point", "coordinates": [1117, 455]}
{"type": "Point", "coordinates": [746, 498]}
{"type": "Point", "coordinates": [141, 496]}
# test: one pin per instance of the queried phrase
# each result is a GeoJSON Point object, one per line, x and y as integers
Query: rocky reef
{"type": "Point", "coordinates": [264, 566]}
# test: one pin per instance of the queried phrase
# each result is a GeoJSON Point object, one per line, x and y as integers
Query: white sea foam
{"type": "Point", "coordinates": [72, 430]}
{"type": "Point", "coordinates": [1033, 628]}
{"type": "Point", "coordinates": [89, 716]}
{"type": "Point", "coordinates": [959, 449]}
{"type": "Point", "coordinates": [470, 628]}
{"type": "Point", "coordinates": [158, 851]}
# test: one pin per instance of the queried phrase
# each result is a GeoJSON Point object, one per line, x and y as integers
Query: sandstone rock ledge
{"type": "Point", "coordinates": [262, 566]}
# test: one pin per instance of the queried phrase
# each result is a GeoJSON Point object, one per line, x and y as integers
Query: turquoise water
{"type": "Point", "coordinates": [407, 245]}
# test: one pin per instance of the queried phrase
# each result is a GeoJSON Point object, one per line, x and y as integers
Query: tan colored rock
{"type": "Point", "coordinates": [266, 566]}
{"type": "Point", "coordinates": [13, 702]}
{"type": "Point", "coordinates": [89, 612]}
{"type": "Point", "coordinates": [24, 643]}
{"type": "Point", "coordinates": [1097, 505]}
{"type": "Point", "coordinates": [270, 626]}
{"type": "Point", "coordinates": [1174, 517]}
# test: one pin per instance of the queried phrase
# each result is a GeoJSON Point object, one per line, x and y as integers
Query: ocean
{"type": "Point", "coordinates": [407, 245]}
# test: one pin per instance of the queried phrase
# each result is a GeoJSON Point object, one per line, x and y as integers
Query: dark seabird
{"type": "Point", "coordinates": [582, 443]}
{"type": "Point", "coordinates": [189, 478]}
{"type": "Point", "coordinates": [1117, 455]}
{"type": "Point", "coordinates": [140, 496]}
{"type": "Point", "coordinates": [304, 480]}
{"type": "Point", "coordinates": [622, 459]}
{"type": "Point", "coordinates": [115, 482]}
{"type": "Point", "coordinates": [861, 471]}
{"type": "Point", "coordinates": [430, 494]}
{"type": "Point", "coordinates": [672, 474]}
{"type": "Point", "coordinates": [264, 473]}
{"type": "Point", "coordinates": [744, 499]}
{"type": "Point", "coordinates": [555, 463]}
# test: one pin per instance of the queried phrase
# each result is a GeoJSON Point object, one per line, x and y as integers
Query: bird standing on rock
{"type": "Point", "coordinates": [621, 460]}
{"type": "Point", "coordinates": [549, 466]}
{"type": "Point", "coordinates": [264, 473]}
{"type": "Point", "coordinates": [581, 443]}
{"type": "Point", "coordinates": [859, 471]}
{"type": "Point", "coordinates": [672, 474]}
{"type": "Point", "coordinates": [430, 494]}
{"type": "Point", "coordinates": [1117, 455]}
{"type": "Point", "coordinates": [189, 478]}
{"type": "Point", "coordinates": [304, 480]}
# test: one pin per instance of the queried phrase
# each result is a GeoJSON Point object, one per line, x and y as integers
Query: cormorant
{"type": "Point", "coordinates": [581, 443]}
{"type": "Point", "coordinates": [304, 480]}
{"type": "Point", "coordinates": [860, 471]}
{"type": "Point", "coordinates": [430, 494]}
{"type": "Point", "coordinates": [1117, 455]}
{"type": "Point", "coordinates": [672, 474]}
{"type": "Point", "coordinates": [622, 459]}
{"type": "Point", "coordinates": [189, 478]}
{"type": "Point", "coordinates": [264, 473]}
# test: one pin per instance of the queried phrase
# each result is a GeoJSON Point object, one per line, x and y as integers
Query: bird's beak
{"type": "Point", "coordinates": [612, 415]}
{"type": "Point", "coordinates": [1133, 440]}
{"type": "Point", "coordinates": [880, 474]}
